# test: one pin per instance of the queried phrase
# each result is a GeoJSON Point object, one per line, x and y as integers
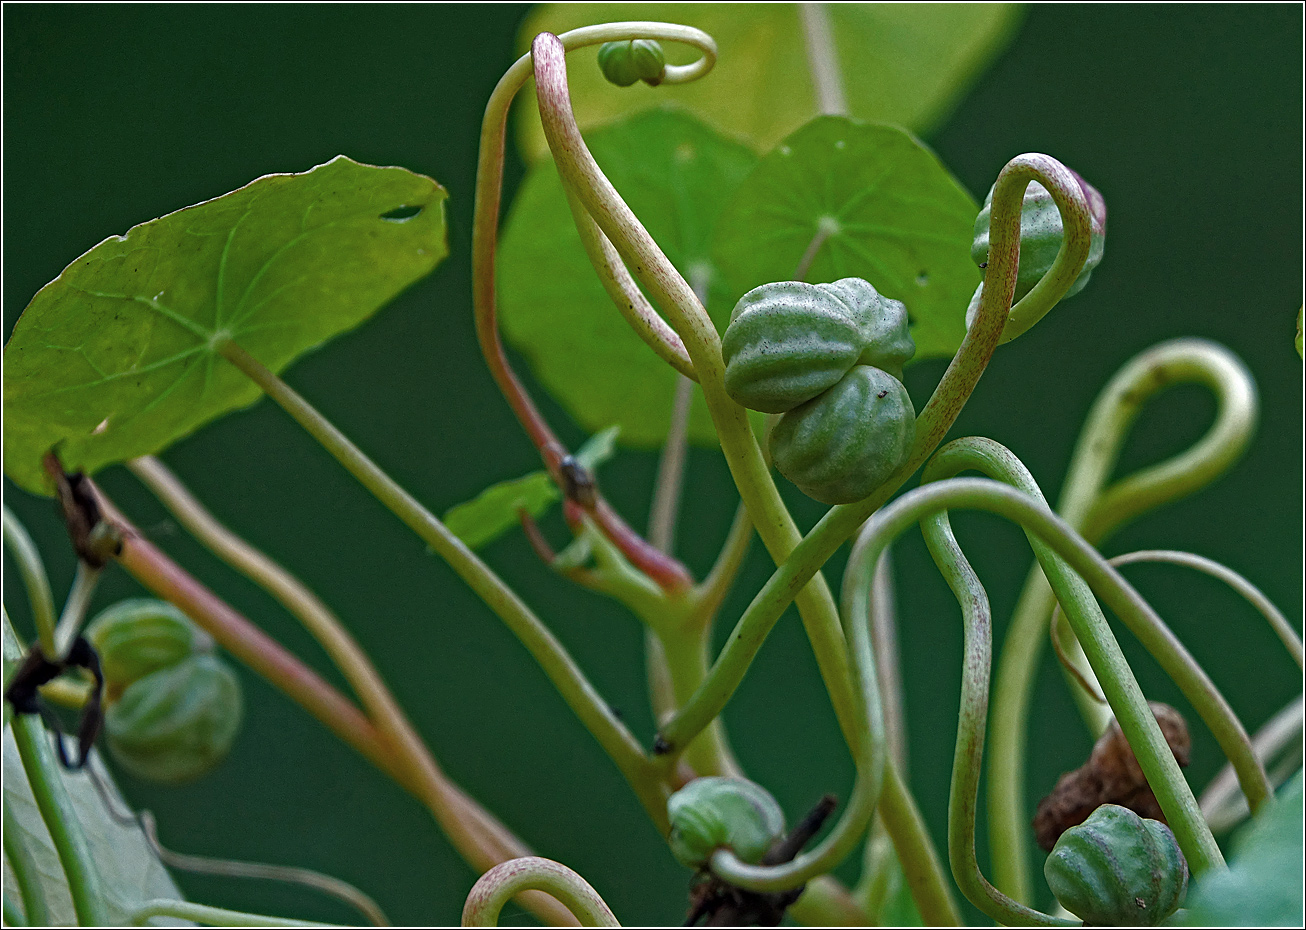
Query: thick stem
{"type": "Point", "coordinates": [496, 887]}
{"type": "Point", "coordinates": [581, 696]}
{"type": "Point", "coordinates": [921, 867]}
{"type": "Point", "coordinates": [1100, 442]}
{"type": "Point", "coordinates": [35, 580]}
{"type": "Point", "coordinates": [25, 871]}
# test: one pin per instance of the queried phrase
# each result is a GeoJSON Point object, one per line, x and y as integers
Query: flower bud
{"type": "Point", "coordinates": [624, 63]}
{"type": "Point", "coordinates": [716, 812]}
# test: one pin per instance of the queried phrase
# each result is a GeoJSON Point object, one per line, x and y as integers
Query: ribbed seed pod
{"type": "Point", "coordinates": [717, 812]}
{"type": "Point", "coordinates": [139, 636]}
{"type": "Point", "coordinates": [1117, 869]}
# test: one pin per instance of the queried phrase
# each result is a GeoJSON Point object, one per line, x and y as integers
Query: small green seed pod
{"type": "Point", "coordinates": [841, 446]}
{"type": "Point", "coordinates": [715, 812]}
{"type": "Point", "coordinates": [789, 341]}
{"type": "Point", "coordinates": [624, 63]}
{"type": "Point", "coordinates": [1041, 236]}
{"type": "Point", "coordinates": [1117, 869]}
{"type": "Point", "coordinates": [139, 636]}
{"type": "Point", "coordinates": [177, 723]}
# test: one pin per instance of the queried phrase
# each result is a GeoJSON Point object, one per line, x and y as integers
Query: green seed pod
{"type": "Point", "coordinates": [789, 341]}
{"type": "Point", "coordinates": [624, 63]}
{"type": "Point", "coordinates": [1117, 869]}
{"type": "Point", "coordinates": [711, 813]}
{"type": "Point", "coordinates": [139, 636]}
{"type": "Point", "coordinates": [1041, 236]}
{"type": "Point", "coordinates": [841, 446]}
{"type": "Point", "coordinates": [177, 723]}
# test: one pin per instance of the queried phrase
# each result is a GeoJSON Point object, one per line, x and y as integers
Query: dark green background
{"type": "Point", "coordinates": [1188, 119]}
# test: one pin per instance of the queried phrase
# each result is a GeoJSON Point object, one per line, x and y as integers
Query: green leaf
{"type": "Point", "coordinates": [904, 63]}
{"type": "Point", "coordinates": [493, 512]}
{"type": "Point", "coordinates": [130, 871]}
{"type": "Point", "coordinates": [885, 209]}
{"type": "Point", "coordinates": [115, 358]}
{"type": "Point", "coordinates": [676, 174]}
{"type": "Point", "coordinates": [1262, 886]}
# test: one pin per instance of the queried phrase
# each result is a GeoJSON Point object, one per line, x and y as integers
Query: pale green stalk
{"type": "Point", "coordinates": [35, 580]}
{"type": "Point", "coordinates": [211, 916]}
{"type": "Point", "coordinates": [1104, 655]}
{"type": "Point", "coordinates": [45, 776]}
{"type": "Point", "coordinates": [496, 887]}
{"type": "Point", "coordinates": [581, 696]}
{"type": "Point", "coordinates": [73, 615]}
{"type": "Point", "coordinates": [1222, 802]}
{"type": "Point", "coordinates": [1250, 593]}
{"type": "Point", "coordinates": [1085, 507]}
{"type": "Point", "coordinates": [968, 757]}
{"type": "Point", "coordinates": [921, 867]}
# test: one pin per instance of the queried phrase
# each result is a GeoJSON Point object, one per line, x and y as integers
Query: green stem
{"type": "Point", "coordinates": [1223, 804]}
{"type": "Point", "coordinates": [496, 887]}
{"type": "Point", "coordinates": [26, 872]}
{"type": "Point", "coordinates": [685, 313]}
{"type": "Point", "coordinates": [935, 419]}
{"type": "Point", "coordinates": [884, 639]}
{"type": "Point", "coordinates": [686, 652]}
{"type": "Point", "coordinates": [85, 581]}
{"type": "Point", "coordinates": [1104, 655]}
{"type": "Point", "coordinates": [211, 916]}
{"type": "Point", "coordinates": [868, 752]}
{"type": "Point", "coordinates": [13, 917]}
{"type": "Point", "coordinates": [1252, 594]}
{"type": "Point", "coordinates": [56, 807]}
{"type": "Point", "coordinates": [968, 757]}
{"type": "Point", "coordinates": [36, 581]}
{"type": "Point", "coordinates": [823, 59]}
{"type": "Point", "coordinates": [581, 696]}
{"type": "Point", "coordinates": [921, 867]}
{"type": "Point", "coordinates": [1100, 442]}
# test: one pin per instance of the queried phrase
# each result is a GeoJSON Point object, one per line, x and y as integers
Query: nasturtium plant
{"type": "Point", "coordinates": [840, 199]}
{"type": "Point", "coordinates": [897, 64]}
{"type": "Point", "coordinates": [677, 174]}
{"type": "Point", "coordinates": [118, 356]}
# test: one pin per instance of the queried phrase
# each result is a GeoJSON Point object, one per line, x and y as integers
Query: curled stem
{"type": "Point", "coordinates": [936, 418]}
{"type": "Point", "coordinates": [686, 315]}
{"type": "Point", "coordinates": [1252, 594]}
{"type": "Point", "coordinates": [968, 757]}
{"type": "Point", "coordinates": [1108, 663]}
{"type": "Point", "coordinates": [493, 890]}
{"type": "Point", "coordinates": [668, 572]}
{"type": "Point", "coordinates": [35, 580]}
{"type": "Point", "coordinates": [1085, 507]}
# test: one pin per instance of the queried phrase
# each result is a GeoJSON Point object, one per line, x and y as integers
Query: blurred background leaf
{"type": "Point", "coordinates": [899, 64]}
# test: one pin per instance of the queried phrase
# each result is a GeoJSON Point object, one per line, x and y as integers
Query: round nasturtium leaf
{"type": "Point", "coordinates": [903, 63]}
{"type": "Point", "coordinates": [116, 357]}
{"type": "Point", "coordinates": [875, 204]}
{"type": "Point", "coordinates": [676, 173]}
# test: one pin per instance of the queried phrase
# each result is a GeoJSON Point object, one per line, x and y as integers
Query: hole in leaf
{"type": "Point", "coordinates": [99, 430]}
{"type": "Point", "coordinates": [400, 214]}
{"type": "Point", "coordinates": [922, 279]}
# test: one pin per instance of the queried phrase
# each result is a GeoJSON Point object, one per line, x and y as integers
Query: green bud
{"type": "Point", "coordinates": [139, 636]}
{"type": "Point", "coordinates": [1117, 869]}
{"type": "Point", "coordinates": [1041, 234]}
{"type": "Point", "coordinates": [177, 723]}
{"type": "Point", "coordinates": [624, 63]}
{"type": "Point", "coordinates": [715, 813]}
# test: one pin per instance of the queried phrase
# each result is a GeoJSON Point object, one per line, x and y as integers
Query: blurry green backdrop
{"type": "Point", "coordinates": [1188, 119]}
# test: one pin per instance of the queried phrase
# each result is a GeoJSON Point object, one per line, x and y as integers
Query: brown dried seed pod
{"type": "Point", "coordinates": [1111, 775]}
